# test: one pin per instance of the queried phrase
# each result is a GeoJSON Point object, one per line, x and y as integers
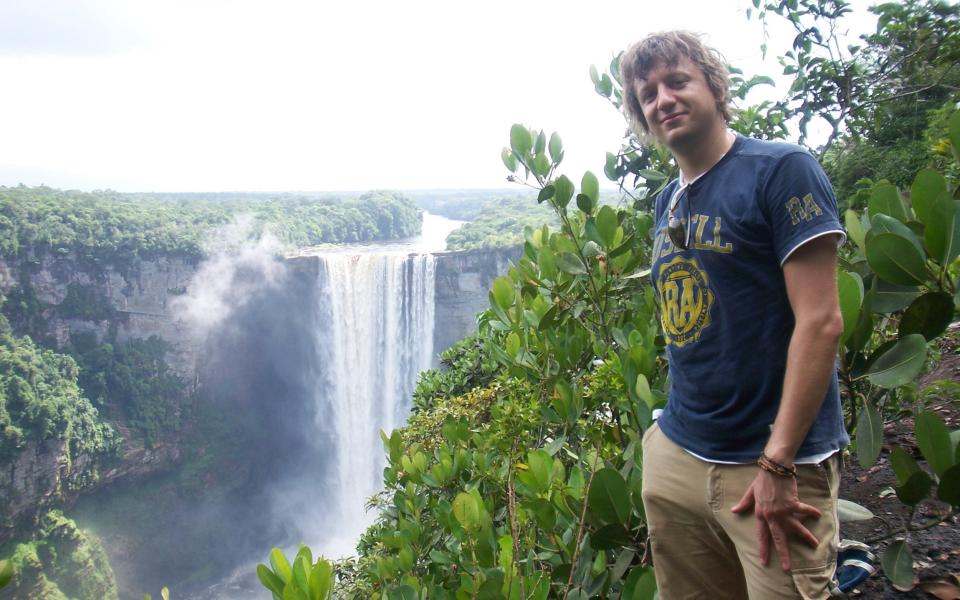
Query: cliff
{"type": "Point", "coordinates": [68, 296]}
{"type": "Point", "coordinates": [133, 302]}
{"type": "Point", "coordinates": [463, 282]}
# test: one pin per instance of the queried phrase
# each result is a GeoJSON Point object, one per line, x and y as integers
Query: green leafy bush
{"type": "Point", "coordinates": [133, 379]}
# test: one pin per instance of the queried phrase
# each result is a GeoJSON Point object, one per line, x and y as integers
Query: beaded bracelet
{"type": "Point", "coordinates": [771, 466]}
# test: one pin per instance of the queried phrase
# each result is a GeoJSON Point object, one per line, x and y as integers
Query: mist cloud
{"type": "Point", "coordinates": [240, 264]}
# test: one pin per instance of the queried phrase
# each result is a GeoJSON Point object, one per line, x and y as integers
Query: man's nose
{"type": "Point", "coordinates": [665, 98]}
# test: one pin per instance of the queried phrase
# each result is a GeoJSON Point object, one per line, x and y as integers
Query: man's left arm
{"type": "Point", "coordinates": [811, 283]}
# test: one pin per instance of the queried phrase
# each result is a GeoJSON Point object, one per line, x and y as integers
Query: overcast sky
{"type": "Point", "coordinates": [226, 95]}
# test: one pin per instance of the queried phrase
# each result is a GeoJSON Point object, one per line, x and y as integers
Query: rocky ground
{"type": "Point", "coordinates": [936, 551]}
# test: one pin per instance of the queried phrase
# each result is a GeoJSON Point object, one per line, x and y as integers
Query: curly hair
{"type": "Point", "coordinates": [668, 48]}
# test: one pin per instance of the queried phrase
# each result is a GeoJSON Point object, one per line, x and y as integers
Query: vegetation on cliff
{"type": "Point", "coordinates": [60, 562]}
{"type": "Point", "coordinates": [40, 400]}
{"type": "Point", "coordinates": [112, 228]}
{"type": "Point", "coordinates": [132, 383]}
{"type": "Point", "coordinates": [500, 224]}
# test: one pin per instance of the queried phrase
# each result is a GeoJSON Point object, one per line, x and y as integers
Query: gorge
{"type": "Point", "coordinates": [275, 381]}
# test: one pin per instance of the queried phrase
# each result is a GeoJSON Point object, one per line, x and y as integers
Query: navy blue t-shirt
{"type": "Point", "coordinates": [723, 302]}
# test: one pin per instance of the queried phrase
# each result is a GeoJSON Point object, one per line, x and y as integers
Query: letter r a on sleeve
{"type": "Point", "coordinates": [803, 209]}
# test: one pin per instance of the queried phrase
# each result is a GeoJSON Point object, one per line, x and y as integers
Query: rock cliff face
{"type": "Point", "coordinates": [135, 302]}
{"type": "Point", "coordinates": [463, 281]}
{"type": "Point", "coordinates": [132, 304]}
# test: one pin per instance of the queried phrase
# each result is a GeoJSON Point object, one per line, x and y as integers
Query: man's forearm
{"type": "Point", "coordinates": [811, 358]}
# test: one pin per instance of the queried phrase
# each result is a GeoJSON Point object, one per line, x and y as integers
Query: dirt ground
{"type": "Point", "coordinates": [936, 551]}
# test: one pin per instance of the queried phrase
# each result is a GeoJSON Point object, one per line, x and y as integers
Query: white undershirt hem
{"type": "Point", "coordinates": [812, 459]}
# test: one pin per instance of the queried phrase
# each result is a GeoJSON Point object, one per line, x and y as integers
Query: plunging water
{"type": "Point", "coordinates": [372, 329]}
{"type": "Point", "coordinates": [378, 338]}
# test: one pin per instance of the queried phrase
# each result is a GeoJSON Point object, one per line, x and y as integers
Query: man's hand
{"type": "Point", "coordinates": [778, 509]}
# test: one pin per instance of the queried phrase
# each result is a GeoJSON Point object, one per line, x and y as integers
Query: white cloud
{"type": "Point", "coordinates": [293, 95]}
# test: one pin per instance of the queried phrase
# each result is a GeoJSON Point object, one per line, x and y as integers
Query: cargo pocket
{"type": "Point", "coordinates": [814, 584]}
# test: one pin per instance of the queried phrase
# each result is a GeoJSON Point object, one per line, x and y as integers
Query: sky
{"type": "Point", "coordinates": [296, 95]}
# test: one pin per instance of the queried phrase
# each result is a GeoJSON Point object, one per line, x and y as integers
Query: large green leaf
{"type": "Point", "coordinates": [520, 142]}
{"type": "Point", "coordinates": [547, 263]}
{"type": "Point", "coordinates": [850, 288]}
{"type": "Point", "coordinates": [292, 592]}
{"type": "Point", "coordinates": [590, 187]}
{"type": "Point", "coordinates": [929, 315]}
{"type": "Point", "coordinates": [540, 464]}
{"type": "Point", "coordinates": [585, 204]}
{"type": "Point", "coordinates": [953, 129]}
{"type": "Point", "coordinates": [543, 512]}
{"type": "Point", "coordinates": [887, 224]}
{"type": "Point", "coordinates": [942, 234]}
{"type": "Point", "coordinates": [890, 297]}
{"type": "Point", "coordinates": [904, 465]}
{"type": "Point", "coordinates": [321, 580]}
{"type": "Point", "coordinates": [466, 510]}
{"type": "Point", "coordinates": [280, 565]}
{"type": "Point", "coordinates": [301, 571]}
{"type": "Point", "coordinates": [610, 536]}
{"type": "Point", "coordinates": [855, 228]}
{"type": "Point", "coordinates": [896, 259]}
{"type": "Point", "coordinates": [897, 562]}
{"type": "Point", "coordinates": [900, 364]}
{"type": "Point", "coordinates": [640, 585]}
{"type": "Point", "coordinates": [555, 147]}
{"type": "Point", "coordinates": [564, 191]}
{"type": "Point", "coordinates": [270, 580]}
{"type": "Point", "coordinates": [540, 144]}
{"type": "Point", "coordinates": [568, 262]}
{"type": "Point", "coordinates": [609, 499]}
{"type": "Point", "coordinates": [885, 199]}
{"type": "Point", "coordinates": [503, 292]}
{"type": "Point", "coordinates": [915, 489]}
{"type": "Point", "coordinates": [927, 185]}
{"type": "Point", "coordinates": [642, 389]}
{"type": "Point", "coordinates": [948, 490]}
{"type": "Point", "coordinates": [933, 439]}
{"type": "Point", "coordinates": [607, 225]}
{"type": "Point", "coordinates": [869, 435]}
{"type": "Point", "coordinates": [509, 161]}
{"type": "Point", "coordinates": [541, 165]}
{"type": "Point", "coordinates": [545, 194]}
{"type": "Point", "coordinates": [849, 512]}
{"type": "Point", "coordinates": [6, 572]}
{"type": "Point", "coordinates": [403, 592]}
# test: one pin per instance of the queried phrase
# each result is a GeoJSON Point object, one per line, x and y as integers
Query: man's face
{"type": "Point", "coordinates": [678, 104]}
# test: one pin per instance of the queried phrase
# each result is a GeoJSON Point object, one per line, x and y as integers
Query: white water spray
{"type": "Point", "coordinates": [374, 335]}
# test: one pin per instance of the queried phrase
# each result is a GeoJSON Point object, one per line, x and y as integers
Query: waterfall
{"type": "Point", "coordinates": [374, 333]}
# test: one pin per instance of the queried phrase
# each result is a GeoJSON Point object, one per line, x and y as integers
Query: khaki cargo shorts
{"type": "Point", "coordinates": [701, 550]}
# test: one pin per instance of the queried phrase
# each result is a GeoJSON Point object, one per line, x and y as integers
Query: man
{"type": "Point", "coordinates": [742, 466]}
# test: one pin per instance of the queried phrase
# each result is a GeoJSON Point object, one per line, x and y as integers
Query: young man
{"type": "Point", "coordinates": [742, 466]}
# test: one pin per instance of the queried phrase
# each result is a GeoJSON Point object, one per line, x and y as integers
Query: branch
{"type": "Point", "coordinates": [512, 509]}
{"type": "Point", "coordinates": [908, 529]}
{"type": "Point", "coordinates": [583, 519]}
